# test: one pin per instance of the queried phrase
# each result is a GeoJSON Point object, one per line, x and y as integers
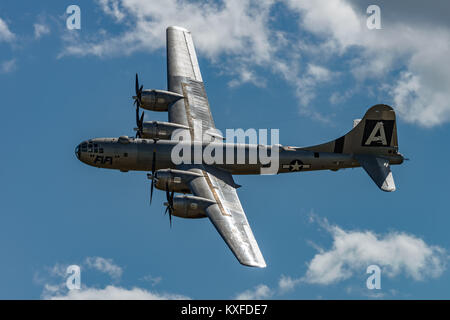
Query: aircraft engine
{"type": "Point", "coordinates": [159, 129]}
{"type": "Point", "coordinates": [158, 100]}
{"type": "Point", "coordinates": [173, 180]}
{"type": "Point", "coordinates": [190, 207]}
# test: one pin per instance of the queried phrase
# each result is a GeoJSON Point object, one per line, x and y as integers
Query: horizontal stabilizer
{"type": "Point", "coordinates": [378, 169]}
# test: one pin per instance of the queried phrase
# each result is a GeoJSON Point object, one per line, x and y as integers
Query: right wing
{"type": "Point", "coordinates": [227, 214]}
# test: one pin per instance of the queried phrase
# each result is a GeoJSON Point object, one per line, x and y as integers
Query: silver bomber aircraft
{"type": "Point", "coordinates": [371, 144]}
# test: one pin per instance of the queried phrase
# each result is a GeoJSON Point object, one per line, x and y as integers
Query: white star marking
{"type": "Point", "coordinates": [296, 166]}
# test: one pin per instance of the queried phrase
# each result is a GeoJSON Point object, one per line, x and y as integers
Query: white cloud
{"type": "Point", "coordinates": [40, 30]}
{"type": "Point", "coordinates": [259, 292]}
{"type": "Point", "coordinates": [109, 293]}
{"type": "Point", "coordinates": [318, 73]}
{"type": "Point", "coordinates": [396, 253]}
{"type": "Point", "coordinates": [246, 76]}
{"type": "Point", "coordinates": [54, 284]}
{"type": "Point", "coordinates": [240, 34]}
{"type": "Point", "coordinates": [234, 27]}
{"type": "Point", "coordinates": [8, 66]}
{"type": "Point", "coordinates": [287, 283]}
{"type": "Point", "coordinates": [5, 33]}
{"type": "Point", "coordinates": [112, 8]}
{"type": "Point", "coordinates": [105, 266]}
{"type": "Point", "coordinates": [420, 93]}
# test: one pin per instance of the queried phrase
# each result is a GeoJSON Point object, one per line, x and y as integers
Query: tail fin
{"type": "Point", "coordinates": [376, 134]}
{"type": "Point", "coordinates": [373, 142]}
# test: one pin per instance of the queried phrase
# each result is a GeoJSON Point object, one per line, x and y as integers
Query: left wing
{"type": "Point", "coordinates": [184, 77]}
{"type": "Point", "coordinates": [227, 214]}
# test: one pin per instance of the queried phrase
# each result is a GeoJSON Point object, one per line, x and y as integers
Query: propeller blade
{"type": "Point", "coordinates": [137, 116]}
{"type": "Point", "coordinates": [137, 102]}
{"type": "Point", "coordinates": [138, 90]}
{"type": "Point", "coordinates": [137, 85]}
{"type": "Point", "coordinates": [167, 193]}
{"type": "Point", "coordinates": [169, 196]}
{"type": "Point", "coordinates": [141, 120]}
{"type": "Point", "coordinates": [151, 191]}
{"type": "Point", "coordinates": [154, 175]}
{"type": "Point", "coordinates": [168, 209]}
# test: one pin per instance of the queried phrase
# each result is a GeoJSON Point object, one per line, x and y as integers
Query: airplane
{"type": "Point", "coordinates": [208, 189]}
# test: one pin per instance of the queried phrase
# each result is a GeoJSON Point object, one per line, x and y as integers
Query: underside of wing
{"type": "Point", "coordinates": [227, 214]}
{"type": "Point", "coordinates": [184, 77]}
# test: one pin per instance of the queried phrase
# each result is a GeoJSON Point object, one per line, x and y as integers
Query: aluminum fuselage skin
{"type": "Point", "coordinates": [137, 155]}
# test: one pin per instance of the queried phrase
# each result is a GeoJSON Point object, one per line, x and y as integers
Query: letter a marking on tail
{"type": "Point", "coordinates": [379, 127]}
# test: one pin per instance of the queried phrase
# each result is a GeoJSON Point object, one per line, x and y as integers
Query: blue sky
{"type": "Point", "coordinates": [307, 68]}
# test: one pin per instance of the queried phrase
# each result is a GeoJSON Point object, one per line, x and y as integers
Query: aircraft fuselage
{"type": "Point", "coordinates": [137, 155]}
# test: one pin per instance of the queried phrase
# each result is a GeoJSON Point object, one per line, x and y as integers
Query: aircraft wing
{"type": "Point", "coordinates": [184, 77]}
{"type": "Point", "coordinates": [227, 214]}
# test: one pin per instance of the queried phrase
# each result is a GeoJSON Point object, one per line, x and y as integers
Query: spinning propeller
{"type": "Point", "coordinates": [139, 123]}
{"type": "Point", "coordinates": [153, 176]}
{"type": "Point", "coordinates": [138, 102]}
{"type": "Point", "coordinates": [169, 203]}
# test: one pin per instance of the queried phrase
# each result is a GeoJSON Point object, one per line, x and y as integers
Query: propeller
{"type": "Point", "coordinates": [153, 176]}
{"type": "Point", "coordinates": [138, 102]}
{"type": "Point", "coordinates": [169, 203]}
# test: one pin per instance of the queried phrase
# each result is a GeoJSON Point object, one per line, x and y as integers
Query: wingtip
{"type": "Point", "coordinates": [254, 264]}
{"type": "Point", "coordinates": [177, 28]}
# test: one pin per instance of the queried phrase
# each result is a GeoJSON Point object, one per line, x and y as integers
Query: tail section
{"type": "Point", "coordinates": [376, 134]}
{"type": "Point", "coordinates": [373, 143]}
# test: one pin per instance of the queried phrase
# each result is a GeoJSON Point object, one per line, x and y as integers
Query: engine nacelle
{"type": "Point", "coordinates": [159, 129]}
{"type": "Point", "coordinates": [158, 100]}
{"type": "Point", "coordinates": [174, 180]}
{"type": "Point", "coordinates": [190, 207]}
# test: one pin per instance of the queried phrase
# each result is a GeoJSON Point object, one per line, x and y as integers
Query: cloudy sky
{"type": "Point", "coordinates": [307, 68]}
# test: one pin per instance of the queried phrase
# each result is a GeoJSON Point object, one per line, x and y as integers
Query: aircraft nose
{"type": "Point", "coordinates": [77, 151]}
